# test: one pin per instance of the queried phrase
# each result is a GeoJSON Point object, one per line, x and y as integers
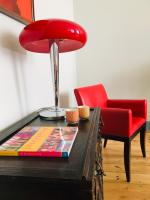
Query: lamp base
{"type": "Point", "coordinates": [52, 113]}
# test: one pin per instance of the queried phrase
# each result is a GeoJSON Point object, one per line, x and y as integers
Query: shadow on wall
{"type": "Point", "coordinates": [64, 100]}
{"type": "Point", "coordinates": [10, 41]}
{"type": "Point", "coordinates": [17, 56]}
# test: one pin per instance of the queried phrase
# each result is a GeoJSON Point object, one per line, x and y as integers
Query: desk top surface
{"type": "Point", "coordinates": [79, 164]}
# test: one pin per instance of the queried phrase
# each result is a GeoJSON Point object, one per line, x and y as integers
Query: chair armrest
{"type": "Point", "coordinates": [116, 121]}
{"type": "Point", "coordinates": [138, 107]}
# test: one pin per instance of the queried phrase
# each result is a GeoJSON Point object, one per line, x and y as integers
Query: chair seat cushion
{"type": "Point", "coordinates": [137, 122]}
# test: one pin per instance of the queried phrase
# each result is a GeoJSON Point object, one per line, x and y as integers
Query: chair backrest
{"type": "Point", "coordinates": [93, 96]}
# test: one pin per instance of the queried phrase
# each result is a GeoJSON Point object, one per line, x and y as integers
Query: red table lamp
{"type": "Point", "coordinates": [53, 36]}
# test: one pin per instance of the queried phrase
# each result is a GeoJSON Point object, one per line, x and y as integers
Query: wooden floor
{"type": "Point", "coordinates": [115, 185]}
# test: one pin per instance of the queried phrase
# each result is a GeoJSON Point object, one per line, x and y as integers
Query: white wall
{"type": "Point", "coordinates": [118, 49]}
{"type": "Point", "coordinates": [25, 77]}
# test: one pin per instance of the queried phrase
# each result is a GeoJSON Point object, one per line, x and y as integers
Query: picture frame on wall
{"type": "Point", "coordinates": [21, 10]}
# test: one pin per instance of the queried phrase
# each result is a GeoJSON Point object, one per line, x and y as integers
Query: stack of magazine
{"type": "Point", "coordinates": [40, 141]}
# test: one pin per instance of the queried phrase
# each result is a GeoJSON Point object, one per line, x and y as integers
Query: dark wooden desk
{"type": "Point", "coordinates": [79, 177]}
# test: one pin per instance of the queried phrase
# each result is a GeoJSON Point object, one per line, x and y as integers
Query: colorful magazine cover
{"type": "Point", "coordinates": [11, 146]}
{"type": "Point", "coordinates": [40, 141]}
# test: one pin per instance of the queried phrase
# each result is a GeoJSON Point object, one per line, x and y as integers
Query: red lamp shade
{"type": "Point", "coordinates": [40, 35]}
{"type": "Point", "coordinates": [53, 36]}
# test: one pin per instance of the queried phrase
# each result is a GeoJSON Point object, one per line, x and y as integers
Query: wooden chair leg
{"type": "Point", "coordinates": [127, 150]}
{"type": "Point", "coordinates": [142, 140]}
{"type": "Point", "coordinates": [105, 142]}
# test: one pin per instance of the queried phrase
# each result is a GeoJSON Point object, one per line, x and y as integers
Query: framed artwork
{"type": "Point", "coordinates": [21, 10]}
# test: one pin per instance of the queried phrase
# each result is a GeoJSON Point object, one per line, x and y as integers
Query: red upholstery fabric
{"type": "Point", "coordinates": [121, 117]}
{"type": "Point", "coordinates": [93, 96]}
{"type": "Point", "coordinates": [138, 107]}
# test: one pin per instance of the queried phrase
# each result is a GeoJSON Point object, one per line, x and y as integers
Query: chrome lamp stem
{"type": "Point", "coordinates": [54, 57]}
{"type": "Point", "coordinates": [54, 113]}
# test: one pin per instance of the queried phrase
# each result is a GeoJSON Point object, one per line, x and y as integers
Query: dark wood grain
{"type": "Point", "coordinates": [142, 140]}
{"type": "Point", "coordinates": [38, 178]}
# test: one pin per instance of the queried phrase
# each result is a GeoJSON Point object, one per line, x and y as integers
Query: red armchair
{"type": "Point", "coordinates": [123, 119]}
